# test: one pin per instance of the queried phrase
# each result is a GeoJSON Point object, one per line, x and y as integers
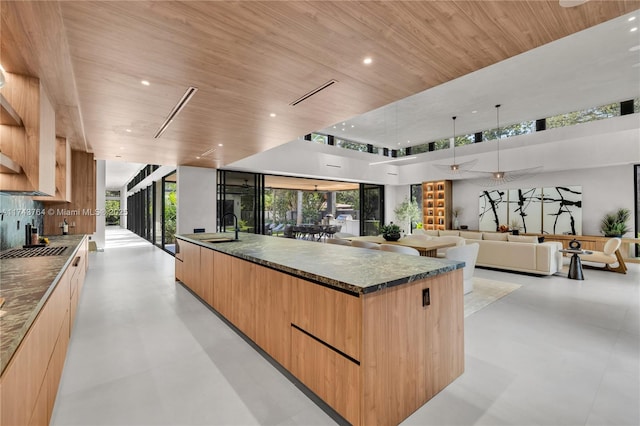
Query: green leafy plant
{"type": "Point", "coordinates": [390, 229]}
{"type": "Point", "coordinates": [408, 211]}
{"type": "Point", "coordinates": [615, 224]}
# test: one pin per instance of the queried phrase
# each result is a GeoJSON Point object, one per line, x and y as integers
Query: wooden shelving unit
{"type": "Point", "coordinates": [436, 205]}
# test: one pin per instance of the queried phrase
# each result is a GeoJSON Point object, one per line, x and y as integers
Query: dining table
{"type": "Point", "coordinates": [425, 247]}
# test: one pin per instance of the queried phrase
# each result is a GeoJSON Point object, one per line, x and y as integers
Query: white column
{"type": "Point", "coordinates": [98, 236]}
{"type": "Point", "coordinates": [196, 196]}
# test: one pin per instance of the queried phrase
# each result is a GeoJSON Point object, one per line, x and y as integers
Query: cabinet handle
{"type": "Point", "coordinates": [426, 297]}
{"type": "Point", "coordinates": [76, 261]}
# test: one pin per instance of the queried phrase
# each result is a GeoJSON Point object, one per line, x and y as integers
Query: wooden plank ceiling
{"type": "Point", "coordinates": [251, 59]}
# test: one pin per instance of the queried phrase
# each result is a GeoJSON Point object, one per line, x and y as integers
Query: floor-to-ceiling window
{"type": "Point", "coordinates": [240, 194]}
{"type": "Point", "coordinates": [169, 209]}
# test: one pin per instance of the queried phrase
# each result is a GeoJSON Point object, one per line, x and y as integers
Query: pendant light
{"type": "Point", "coordinates": [499, 176]}
{"type": "Point", "coordinates": [456, 168]}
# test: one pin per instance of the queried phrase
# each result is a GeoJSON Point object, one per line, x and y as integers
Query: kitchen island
{"type": "Point", "coordinates": [40, 297]}
{"type": "Point", "coordinates": [374, 334]}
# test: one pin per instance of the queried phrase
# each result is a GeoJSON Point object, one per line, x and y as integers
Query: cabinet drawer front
{"type": "Point", "coordinates": [331, 376]}
{"type": "Point", "coordinates": [332, 316]}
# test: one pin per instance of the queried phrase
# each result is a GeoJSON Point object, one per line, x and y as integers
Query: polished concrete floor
{"type": "Point", "coordinates": [146, 352]}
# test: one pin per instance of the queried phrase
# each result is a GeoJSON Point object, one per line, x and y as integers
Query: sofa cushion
{"type": "Point", "coordinates": [432, 232]}
{"type": "Point", "coordinates": [522, 239]}
{"type": "Point", "coordinates": [449, 233]}
{"type": "Point", "coordinates": [494, 236]}
{"type": "Point", "coordinates": [470, 235]}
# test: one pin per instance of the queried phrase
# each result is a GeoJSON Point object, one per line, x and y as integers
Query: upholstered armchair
{"type": "Point", "coordinates": [610, 255]}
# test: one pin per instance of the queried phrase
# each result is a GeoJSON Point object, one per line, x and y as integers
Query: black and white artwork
{"type": "Point", "coordinates": [550, 210]}
{"type": "Point", "coordinates": [525, 210]}
{"type": "Point", "coordinates": [493, 209]}
{"type": "Point", "coordinates": [562, 210]}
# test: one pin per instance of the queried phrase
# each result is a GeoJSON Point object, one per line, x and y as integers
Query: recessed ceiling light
{"type": "Point", "coordinates": [474, 111]}
{"type": "Point", "coordinates": [220, 144]}
{"type": "Point", "coordinates": [632, 18]}
{"type": "Point", "coordinates": [197, 158]}
{"type": "Point", "coordinates": [572, 3]}
{"type": "Point", "coordinates": [128, 130]}
{"type": "Point", "coordinates": [367, 61]}
{"type": "Point", "coordinates": [635, 65]}
{"type": "Point", "coordinates": [352, 126]}
{"type": "Point", "coordinates": [145, 83]}
{"type": "Point", "coordinates": [634, 48]}
{"type": "Point", "coordinates": [273, 114]}
{"type": "Point", "coordinates": [122, 147]}
{"type": "Point", "coordinates": [343, 129]}
{"type": "Point", "coordinates": [633, 29]}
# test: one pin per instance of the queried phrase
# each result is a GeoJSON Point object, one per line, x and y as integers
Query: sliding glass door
{"type": "Point", "coordinates": [372, 205]}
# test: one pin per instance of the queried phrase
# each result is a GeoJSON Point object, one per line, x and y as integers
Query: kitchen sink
{"type": "Point", "coordinates": [33, 252]}
{"type": "Point", "coordinates": [218, 240]}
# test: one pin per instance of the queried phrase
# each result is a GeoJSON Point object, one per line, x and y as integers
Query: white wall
{"type": "Point", "coordinates": [196, 199]}
{"type": "Point", "coordinates": [98, 236]}
{"type": "Point", "coordinates": [604, 190]}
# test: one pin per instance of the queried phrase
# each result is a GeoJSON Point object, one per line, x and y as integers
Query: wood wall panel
{"type": "Point", "coordinates": [332, 316]}
{"type": "Point", "coordinates": [206, 275]}
{"type": "Point", "coordinates": [424, 346]}
{"type": "Point", "coordinates": [62, 172]}
{"type": "Point", "coordinates": [273, 314]}
{"type": "Point", "coordinates": [81, 209]}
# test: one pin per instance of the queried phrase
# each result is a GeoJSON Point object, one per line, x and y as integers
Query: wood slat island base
{"type": "Point", "coordinates": [374, 356]}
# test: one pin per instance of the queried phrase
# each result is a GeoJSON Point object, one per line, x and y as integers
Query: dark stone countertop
{"type": "Point", "coordinates": [26, 285]}
{"type": "Point", "coordinates": [353, 269]}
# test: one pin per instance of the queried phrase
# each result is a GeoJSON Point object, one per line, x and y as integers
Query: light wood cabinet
{"type": "Point", "coordinates": [375, 358]}
{"type": "Point", "coordinates": [436, 205]}
{"type": "Point", "coordinates": [27, 137]}
{"type": "Point", "coordinates": [63, 172]}
{"type": "Point", "coordinates": [80, 212]}
{"type": "Point", "coordinates": [29, 384]}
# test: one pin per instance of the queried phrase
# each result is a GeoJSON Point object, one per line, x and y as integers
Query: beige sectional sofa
{"type": "Point", "coordinates": [512, 252]}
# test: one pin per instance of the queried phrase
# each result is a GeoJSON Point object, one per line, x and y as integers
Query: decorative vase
{"type": "Point", "coordinates": [456, 224]}
{"type": "Point", "coordinates": [391, 237]}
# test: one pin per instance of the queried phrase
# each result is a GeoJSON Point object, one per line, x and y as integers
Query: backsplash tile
{"type": "Point", "coordinates": [14, 208]}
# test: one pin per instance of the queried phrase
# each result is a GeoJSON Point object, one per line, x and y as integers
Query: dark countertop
{"type": "Point", "coordinates": [26, 285]}
{"type": "Point", "coordinates": [353, 269]}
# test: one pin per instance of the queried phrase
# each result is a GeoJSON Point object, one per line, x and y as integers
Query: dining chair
{"type": "Point", "coordinates": [399, 249]}
{"type": "Point", "coordinates": [365, 244]}
{"type": "Point", "coordinates": [467, 254]}
{"type": "Point", "coordinates": [459, 241]}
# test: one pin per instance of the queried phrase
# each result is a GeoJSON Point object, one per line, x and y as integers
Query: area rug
{"type": "Point", "coordinates": [484, 293]}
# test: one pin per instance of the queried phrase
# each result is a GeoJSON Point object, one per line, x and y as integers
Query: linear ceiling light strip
{"type": "Point", "coordinates": [176, 110]}
{"type": "Point", "coordinates": [313, 92]}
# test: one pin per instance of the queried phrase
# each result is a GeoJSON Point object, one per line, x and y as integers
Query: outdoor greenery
{"type": "Point", "coordinates": [112, 208]}
{"type": "Point", "coordinates": [615, 224]}
{"type": "Point", "coordinates": [170, 206]}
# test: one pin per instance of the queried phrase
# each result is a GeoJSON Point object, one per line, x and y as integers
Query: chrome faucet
{"type": "Point", "coordinates": [235, 219]}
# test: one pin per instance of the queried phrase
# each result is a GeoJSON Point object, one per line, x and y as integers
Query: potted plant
{"type": "Point", "coordinates": [390, 232]}
{"type": "Point", "coordinates": [456, 212]}
{"type": "Point", "coordinates": [615, 224]}
{"type": "Point", "coordinates": [408, 211]}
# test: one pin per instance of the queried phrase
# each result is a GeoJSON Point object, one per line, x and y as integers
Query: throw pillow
{"type": "Point", "coordinates": [494, 236]}
{"type": "Point", "coordinates": [469, 235]}
{"type": "Point", "coordinates": [522, 239]}
{"type": "Point", "coordinates": [446, 233]}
